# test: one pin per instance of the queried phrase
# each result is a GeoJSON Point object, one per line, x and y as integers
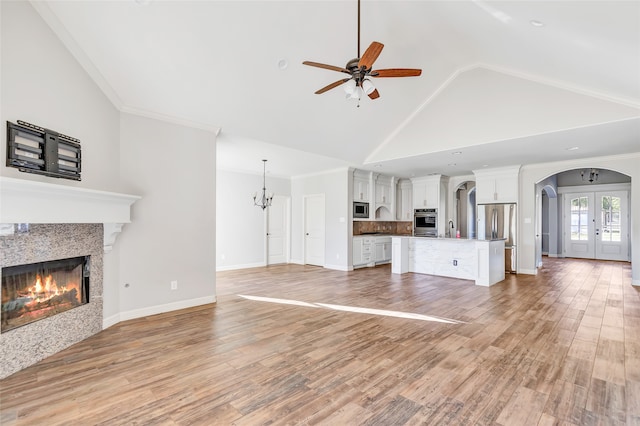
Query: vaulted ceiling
{"type": "Point", "coordinates": [512, 82]}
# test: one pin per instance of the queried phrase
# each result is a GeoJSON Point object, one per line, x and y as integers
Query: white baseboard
{"type": "Point", "coordinates": [338, 267]}
{"type": "Point", "coordinates": [297, 261]}
{"type": "Point", "coordinates": [635, 282]}
{"type": "Point", "coordinates": [158, 309]}
{"type": "Point", "coordinates": [528, 271]}
{"type": "Point", "coordinates": [553, 255]}
{"type": "Point", "coordinates": [112, 320]}
{"type": "Point", "coordinates": [245, 266]}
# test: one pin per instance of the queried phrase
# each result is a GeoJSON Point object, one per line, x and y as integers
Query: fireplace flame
{"type": "Point", "coordinates": [44, 289]}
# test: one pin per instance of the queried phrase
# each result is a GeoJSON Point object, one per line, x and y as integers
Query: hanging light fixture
{"type": "Point", "coordinates": [591, 175]}
{"type": "Point", "coordinates": [265, 200]}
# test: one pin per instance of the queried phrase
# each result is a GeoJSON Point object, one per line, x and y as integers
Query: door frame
{"type": "Point", "coordinates": [568, 190]}
{"type": "Point", "coordinates": [304, 225]}
{"type": "Point", "coordinates": [287, 230]}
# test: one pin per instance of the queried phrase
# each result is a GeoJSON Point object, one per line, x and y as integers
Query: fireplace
{"type": "Point", "coordinates": [35, 291]}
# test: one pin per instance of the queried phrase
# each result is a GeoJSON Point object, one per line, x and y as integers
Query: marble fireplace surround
{"type": "Point", "coordinates": [64, 221]}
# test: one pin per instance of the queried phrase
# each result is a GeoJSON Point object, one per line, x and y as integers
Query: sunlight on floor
{"type": "Point", "coordinates": [355, 309]}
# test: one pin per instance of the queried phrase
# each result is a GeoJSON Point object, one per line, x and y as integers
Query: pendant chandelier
{"type": "Point", "coordinates": [591, 175]}
{"type": "Point", "coordinates": [264, 201]}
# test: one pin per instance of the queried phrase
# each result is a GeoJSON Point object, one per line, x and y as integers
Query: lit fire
{"type": "Point", "coordinates": [45, 289]}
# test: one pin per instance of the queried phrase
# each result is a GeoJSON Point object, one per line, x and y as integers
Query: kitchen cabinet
{"type": "Point", "coordinates": [426, 192]}
{"type": "Point", "coordinates": [362, 251]}
{"type": "Point", "coordinates": [361, 185]}
{"type": "Point", "coordinates": [382, 250]}
{"type": "Point", "coordinates": [430, 192]}
{"type": "Point", "coordinates": [384, 205]}
{"type": "Point", "coordinates": [404, 200]}
{"type": "Point", "coordinates": [371, 250]}
{"type": "Point", "coordinates": [498, 185]}
{"type": "Point", "coordinates": [383, 190]}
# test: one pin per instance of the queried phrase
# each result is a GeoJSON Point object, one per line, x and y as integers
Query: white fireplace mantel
{"type": "Point", "coordinates": [27, 201]}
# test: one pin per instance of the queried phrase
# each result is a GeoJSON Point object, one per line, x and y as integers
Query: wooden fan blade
{"type": "Point", "coordinates": [374, 94]}
{"type": "Point", "coordinates": [332, 85]}
{"type": "Point", "coordinates": [326, 67]}
{"type": "Point", "coordinates": [396, 72]}
{"type": "Point", "coordinates": [370, 55]}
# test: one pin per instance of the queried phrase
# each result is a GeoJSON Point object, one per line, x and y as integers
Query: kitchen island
{"type": "Point", "coordinates": [479, 260]}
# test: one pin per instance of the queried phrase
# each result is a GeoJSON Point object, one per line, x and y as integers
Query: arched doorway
{"type": "Point", "coordinates": [584, 213]}
{"type": "Point", "coordinates": [465, 211]}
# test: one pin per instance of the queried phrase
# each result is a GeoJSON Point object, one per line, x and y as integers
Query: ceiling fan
{"type": "Point", "coordinates": [360, 70]}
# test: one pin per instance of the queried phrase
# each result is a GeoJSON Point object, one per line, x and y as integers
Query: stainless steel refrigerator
{"type": "Point", "coordinates": [498, 221]}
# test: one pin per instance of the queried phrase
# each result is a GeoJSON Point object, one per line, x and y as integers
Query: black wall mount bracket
{"type": "Point", "coordinates": [34, 149]}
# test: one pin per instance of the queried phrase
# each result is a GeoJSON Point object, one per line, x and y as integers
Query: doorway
{"type": "Point", "coordinates": [278, 230]}
{"type": "Point", "coordinates": [596, 225]}
{"type": "Point", "coordinates": [465, 211]}
{"type": "Point", "coordinates": [314, 229]}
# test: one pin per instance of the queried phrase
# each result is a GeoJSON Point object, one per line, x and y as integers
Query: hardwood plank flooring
{"type": "Point", "coordinates": [562, 347]}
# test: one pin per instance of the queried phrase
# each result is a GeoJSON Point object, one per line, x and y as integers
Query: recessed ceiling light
{"type": "Point", "coordinates": [377, 166]}
{"type": "Point", "coordinates": [143, 2]}
{"type": "Point", "coordinates": [536, 23]}
{"type": "Point", "coordinates": [283, 64]}
{"type": "Point", "coordinates": [451, 164]}
{"type": "Point", "coordinates": [485, 165]}
{"type": "Point", "coordinates": [456, 153]}
{"type": "Point", "coordinates": [573, 148]}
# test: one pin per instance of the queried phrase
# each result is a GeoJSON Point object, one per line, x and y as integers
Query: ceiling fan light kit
{"type": "Point", "coordinates": [360, 70]}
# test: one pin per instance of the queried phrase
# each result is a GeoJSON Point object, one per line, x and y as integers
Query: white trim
{"type": "Point", "coordinates": [167, 307]}
{"type": "Point", "coordinates": [561, 85]}
{"type": "Point", "coordinates": [76, 51]}
{"type": "Point", "coordinates": [553, 255]}
{"type": "Point", "coordinates": [528, 271]}
{"type": "Point", "coordinates": [112, 320]}
{"type": "Point", "coordinates": [87, 64]}
{"type": "Point", "coordinates": [241, 266]}
{"type": "Point", "coordinates": [594, 188]}
{"type": "Point", "coordinates": [154, 310]}
{"type": "Point", "coordinates": [635, 282]}
{"type": "Point", "coordinates": [296, 261]}
{"type": "Point", "coordinates": [324, 172]}
{"type": "Point", "coordinates": [339, 267]}
{"type": "Point", "coordinates": [170, 119]}
{"type": "Point", "coordinates": [22, 199]}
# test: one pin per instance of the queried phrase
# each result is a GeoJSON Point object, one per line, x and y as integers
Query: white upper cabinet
{"type": "Point", "coordinates": [404, 200]}
{"type": "Point", "coordinates": [361, 185]}
{"type": "Point", "coordinates": [499, 185]}
{"type": "Point", "coordinates": [384, 190]}
{"type": "Point", "coordinates": [426, 192]}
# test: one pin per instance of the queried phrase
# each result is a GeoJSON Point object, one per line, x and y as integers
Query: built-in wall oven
{"type": "Point", "coordinates": [425, 222]}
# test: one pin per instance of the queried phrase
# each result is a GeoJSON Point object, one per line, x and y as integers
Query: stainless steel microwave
{"type": "Point", "coordinates": [360, 210]}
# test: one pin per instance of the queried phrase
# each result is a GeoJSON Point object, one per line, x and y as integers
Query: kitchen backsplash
{"type": "Point", "coordinates": [381, 227]}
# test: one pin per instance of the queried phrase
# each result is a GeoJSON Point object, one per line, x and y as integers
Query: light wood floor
{"type": "Point", "coordinates": [562, 347]}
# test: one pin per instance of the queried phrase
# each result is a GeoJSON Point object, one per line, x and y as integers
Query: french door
{"type": "Point", "coordinates": [596, 225]}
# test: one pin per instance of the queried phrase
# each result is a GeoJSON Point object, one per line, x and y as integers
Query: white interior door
{"type": "Point", "coordinates": [579, 225]}
{"type": "Point", "coordinates": [314, 230]}
{"type": "Point", "coordinates": [277, 230]}
{"type": "Point", "coordinates": [611, 222]}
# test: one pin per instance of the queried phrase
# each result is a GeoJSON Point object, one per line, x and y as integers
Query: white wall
{"type": "Point", "coordinates": [240, 226]}
{"type": "Point", "coordinates": [41, 83]}
{"type": "Point", "coordinates": [172, 234]}
{"type": "Point", "coordinates": [530, 175]}
{"type": "Point", "coordinates": [335, 187]}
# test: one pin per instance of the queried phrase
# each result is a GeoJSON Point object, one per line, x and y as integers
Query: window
{"type": "Point", "coordinates": [611, 225]}
{"type": "Point", "coordinates": [580, 219]}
